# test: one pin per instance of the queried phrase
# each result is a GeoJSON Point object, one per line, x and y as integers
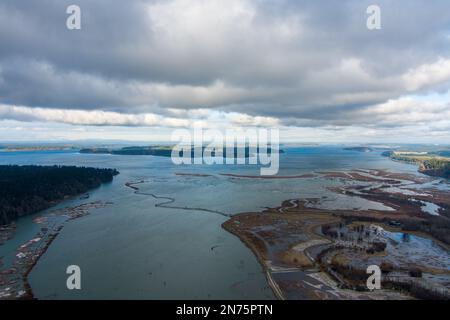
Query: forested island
{"type": "Point", "coordinates": [166, 151]}
{"type": "Point", "coordinates": [29, 189]}
{"type": "Point", "coordinates": [435, 164]}
{"type": "Point", "coordinates": [162, 151]}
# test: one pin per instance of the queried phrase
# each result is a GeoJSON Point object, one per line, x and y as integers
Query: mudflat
{"type": "Point", "coordinates": [311, 252]}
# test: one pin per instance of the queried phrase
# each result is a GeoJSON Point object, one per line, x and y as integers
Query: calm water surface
{"type": "Point", "coordinates": [132, 249]}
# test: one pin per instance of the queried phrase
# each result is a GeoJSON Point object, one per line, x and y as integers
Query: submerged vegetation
{"type": "Point", "coordinates": [29, 189]}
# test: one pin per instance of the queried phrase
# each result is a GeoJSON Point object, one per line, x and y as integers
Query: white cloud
{"type": "Point", "coordinates": [428, 75]}
{"type": "Point", "coordinates": [204, 117]}
{"type": "Point", "coordinates": [176, 63]}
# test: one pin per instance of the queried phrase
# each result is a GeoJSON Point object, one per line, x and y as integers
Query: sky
{"type": "Point", "coordinates": [138, 70]}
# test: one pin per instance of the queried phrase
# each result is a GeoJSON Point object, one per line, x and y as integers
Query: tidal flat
{"type": "Point", "coordinates": [310, 251]}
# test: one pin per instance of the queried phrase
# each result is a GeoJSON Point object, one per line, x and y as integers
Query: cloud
{"type": "Point", "coordinates": [428, 75]}
{"type": "Point", "coordinates": [282, 62]}
{"type": "Point", "coordinates": [201, 117]}
{"type": "Point", "coordinates": [407, 112]}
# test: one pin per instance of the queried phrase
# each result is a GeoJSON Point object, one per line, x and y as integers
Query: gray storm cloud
{"type": "Point", "coordinates": [307, 63]}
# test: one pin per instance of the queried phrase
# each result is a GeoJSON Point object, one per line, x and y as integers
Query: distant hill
{"type": "Point", "coordinates": [96, 150]}
{"type": "Point", "coordinates": [29, 189]}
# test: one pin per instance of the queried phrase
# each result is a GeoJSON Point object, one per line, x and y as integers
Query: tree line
{"type": "Point", "coordinates": [29, 189]}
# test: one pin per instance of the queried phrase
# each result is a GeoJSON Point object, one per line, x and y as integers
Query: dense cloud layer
{"type": "Point", "coordinates": [296, 63]}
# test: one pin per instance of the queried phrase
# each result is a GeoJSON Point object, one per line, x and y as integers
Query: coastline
{"type": "Point", "coordinates": [253, 231]}
{"type": "Point", "coordinates": [270, 281]}
{"type": "Point", "coordinates": [29, 189]}
{"type": "Point", "coordinates": [29, 295]}
{"type": "Point", "coordinates": [14, 283]}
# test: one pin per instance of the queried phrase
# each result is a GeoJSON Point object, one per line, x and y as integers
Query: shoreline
{"type": "Point", "coordinates": [30, 189]}
{"type": "Point", "coordinates": [29, 295]}
{"type": "Point", "coordinates": [272, 284]}
{"type": "Point", "coordinates": [14, 279]}
{"type": "Point", "coordinates": [258, 231]}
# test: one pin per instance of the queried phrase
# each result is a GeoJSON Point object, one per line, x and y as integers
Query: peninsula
{"type": "Point", "coordinates": [435, 164]}
{"type": "Point", "coordinates": [29, 189]}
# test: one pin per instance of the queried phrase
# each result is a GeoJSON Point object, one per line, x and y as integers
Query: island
{"type": "Point", "coordinates": [164, 151]}
{"type": "Point", "coordinates": [29, 189]}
